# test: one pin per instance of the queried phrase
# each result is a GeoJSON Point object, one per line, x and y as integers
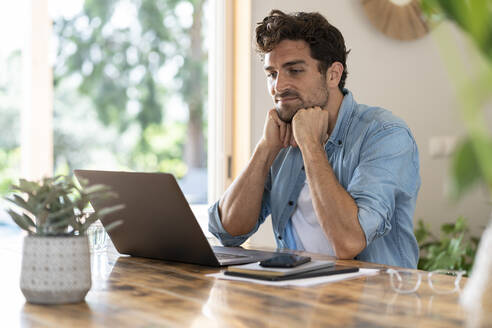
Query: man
{"type": "Point", "coordinates": [337, 177]}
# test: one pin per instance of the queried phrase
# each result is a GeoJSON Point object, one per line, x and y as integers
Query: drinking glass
{"type": "Point", "coordinates": [98, 238]}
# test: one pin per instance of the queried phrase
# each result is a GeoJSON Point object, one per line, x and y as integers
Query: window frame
{"type": "Point", "coordinates": [37, 110]}
{"type": "Point", "coordinates": [220, 99]}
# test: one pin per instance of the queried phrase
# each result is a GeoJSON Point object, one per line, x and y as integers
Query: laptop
{"type": "Point", "coordinates": [157, 221]}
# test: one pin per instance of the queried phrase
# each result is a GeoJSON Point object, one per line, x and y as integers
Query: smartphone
{"type": "Point", "coordinates": [285, 261]}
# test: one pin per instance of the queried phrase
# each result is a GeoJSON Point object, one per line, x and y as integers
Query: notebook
{"type": "Point", "coordinates": [326, 271]}
{"type": "Point", "coordinates": [257, 270]}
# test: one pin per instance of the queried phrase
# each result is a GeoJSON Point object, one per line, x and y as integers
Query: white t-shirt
{"type": "Point", "coordinates": [308, 233]}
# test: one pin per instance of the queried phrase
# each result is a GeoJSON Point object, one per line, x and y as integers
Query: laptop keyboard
{"type": "Point", "coordinates": [225, 256]}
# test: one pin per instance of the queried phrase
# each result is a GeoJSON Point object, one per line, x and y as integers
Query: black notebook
{"type": "Point", "coordinates": [256, 269]}
{"type": "Point", "coordinates": [337, 269]}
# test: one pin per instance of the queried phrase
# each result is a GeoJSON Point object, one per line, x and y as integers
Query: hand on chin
{"type": "Point", "coordinates": [310, 126]}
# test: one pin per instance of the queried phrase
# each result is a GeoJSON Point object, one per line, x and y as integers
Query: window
{"type": "Point", "coordinates": [130, 88]}
{"type": "Point", "coordinates": [126, 90]}
{"type": "Point", "coordinates": [11, 38]}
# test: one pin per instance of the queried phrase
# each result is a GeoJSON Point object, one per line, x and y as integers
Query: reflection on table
{"type": "Point", "coordinates": [139, 292]}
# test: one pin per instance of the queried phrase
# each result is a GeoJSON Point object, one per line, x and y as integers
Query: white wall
{"type": "Point", "coordinates": [408, 78]}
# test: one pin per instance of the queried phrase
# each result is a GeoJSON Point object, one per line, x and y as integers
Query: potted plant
{"type": "Point", "coordinates": [56, 258]}
{"type": "Point", "coordinates": [472, 161]}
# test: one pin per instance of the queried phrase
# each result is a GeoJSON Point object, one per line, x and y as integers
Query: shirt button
{"type": "Point", "coordinates": [291, 203]}
{"type": "Point", "coordinates": [303, 167]}
{"type": "Point", "coordinates": [279, 237]}
{"type": "Point", "coordinates": [340, 142]}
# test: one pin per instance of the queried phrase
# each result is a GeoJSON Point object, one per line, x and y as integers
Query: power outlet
{"type": "Point", "coordinates": [442, 146]}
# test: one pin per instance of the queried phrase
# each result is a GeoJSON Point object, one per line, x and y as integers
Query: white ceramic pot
{"type": "Point", "coordinates": [55, 270]}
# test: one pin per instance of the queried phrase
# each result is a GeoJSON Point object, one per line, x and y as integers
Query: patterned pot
{"type": "Point", "coordinates": [55, 270]}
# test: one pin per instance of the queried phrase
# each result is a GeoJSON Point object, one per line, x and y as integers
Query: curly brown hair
{"type": "Point", "coordinates": [325, 41]}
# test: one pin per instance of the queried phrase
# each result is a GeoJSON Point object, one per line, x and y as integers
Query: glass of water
{"type": "Point", "coordinates": [98, 238]}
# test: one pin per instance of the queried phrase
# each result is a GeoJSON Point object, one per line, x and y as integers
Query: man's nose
{"type": "Point", "coordinates": [282, 83]}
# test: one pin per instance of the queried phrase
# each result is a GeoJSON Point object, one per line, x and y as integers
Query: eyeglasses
{"type": "Point", "coordinates": [408, 281]}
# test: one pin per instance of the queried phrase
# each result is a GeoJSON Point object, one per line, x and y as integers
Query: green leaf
{"type": "Point", "coordinates": [460, 225]}
{"type": "Point", "coordinates": [96, 188]}
{"type": "Point", "coordinates": [81, 183]}
{"type": "Point", "coordinates": [432, 11]}
{"type": "Point", "coordinates": [113, 225]}
{"type": "Point", "coordinates": [60, 213]}
{"type": "Point", "coordinates": [27, 186]}
{"type": "Point", "coordinates": [54, 204]}
{"type": "Point", "coordinates": [50, 198]}
{"type": "Point", "coordinates": [108, 210]}
{"type": "Point", "coordinates": [454, 248]}
{"type": "Point", "coordinates": [465, 171]}
{"type": "Point", "coordinates": [452, 251]}
{"type": "Point", "coordinates": [428, 245]}
{"type": "Point", "coordinates": [64, 222]}
{"type": "Point", "coordinates": [103, 194]}
{"type": "Point", "coordinates": [81, 204]}
{"type": "Point", "coordinates": [422, 232]}
{"type": "Point", "coordinates": [19, 201]}
{"type": "Point", "coordinates": [23, 221]}
{"type": "Point", "coordinates": [443, 261]}
{"type": "Point", "coordinates": [447, 228]}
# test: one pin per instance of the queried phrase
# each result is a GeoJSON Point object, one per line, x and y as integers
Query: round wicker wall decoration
{"type": "Point", "coordinates": [398, 19]}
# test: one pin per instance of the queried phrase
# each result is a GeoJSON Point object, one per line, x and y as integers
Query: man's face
{"type": "Point", "coordinates": [293, 79]}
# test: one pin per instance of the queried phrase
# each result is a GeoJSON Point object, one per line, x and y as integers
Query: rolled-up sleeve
{"type": "Point", "coordinates": [388, 169]}
{"type": "Point", "coordinates": [217, 229]}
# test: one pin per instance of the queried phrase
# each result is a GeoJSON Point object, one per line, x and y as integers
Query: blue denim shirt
{"type": "Point", "coordinates": [375, 158]}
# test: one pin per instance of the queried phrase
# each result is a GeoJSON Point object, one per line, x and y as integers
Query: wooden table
{"type": "Point", "coordinates": [137, 292]}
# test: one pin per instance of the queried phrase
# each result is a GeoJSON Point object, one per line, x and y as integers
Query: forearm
{"type": "Point", "coordinates": [335, 208]}
{"type": "Point", "coordinates": [240, 206]}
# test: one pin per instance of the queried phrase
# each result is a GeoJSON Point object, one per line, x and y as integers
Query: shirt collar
{"type": "Point", "coordinates": [339, 133]}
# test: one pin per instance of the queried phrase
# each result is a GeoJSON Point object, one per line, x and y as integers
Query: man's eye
{"type": "Point", "coordinates": [295, 71]}
{"type": "Point", "coordinates": [272, 75]}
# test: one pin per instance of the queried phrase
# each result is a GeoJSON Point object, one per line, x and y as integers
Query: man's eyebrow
{"type": "Point", "coordinates": [287, 64]}
{"type": "Point", "coordinates": [294, 62]}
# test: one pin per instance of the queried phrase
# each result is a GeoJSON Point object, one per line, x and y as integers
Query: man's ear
{"type": "Point", "coordinates": [334, 74]}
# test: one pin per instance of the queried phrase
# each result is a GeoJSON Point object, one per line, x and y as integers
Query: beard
{"type": "Point", "coordinates": [287, 111]}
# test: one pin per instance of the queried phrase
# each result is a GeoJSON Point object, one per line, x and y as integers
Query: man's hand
{"type": "Point", "coordinates": [310, 126]}
{"type": "Point", "coordinates": [276, 134]}
{"type": "Point", "coordinates": [240, 206]}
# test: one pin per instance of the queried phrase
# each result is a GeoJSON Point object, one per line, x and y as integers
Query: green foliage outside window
{"type": "Point", "coordinates": [10, 102]}
{"type": "Point", "coordinates": [161, 149]}
{"type": "Point", "coordinates": [9, 164]}
{"type": "Point", "coordinates": [128, 71]}
{"type": "Point", "coordinates": [126, 97]}
{"type": "Point", "coordinates": [116, 87]}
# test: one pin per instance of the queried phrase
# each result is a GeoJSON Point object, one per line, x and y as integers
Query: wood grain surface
{"type": "Point", "coordinates": [138, 292]}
